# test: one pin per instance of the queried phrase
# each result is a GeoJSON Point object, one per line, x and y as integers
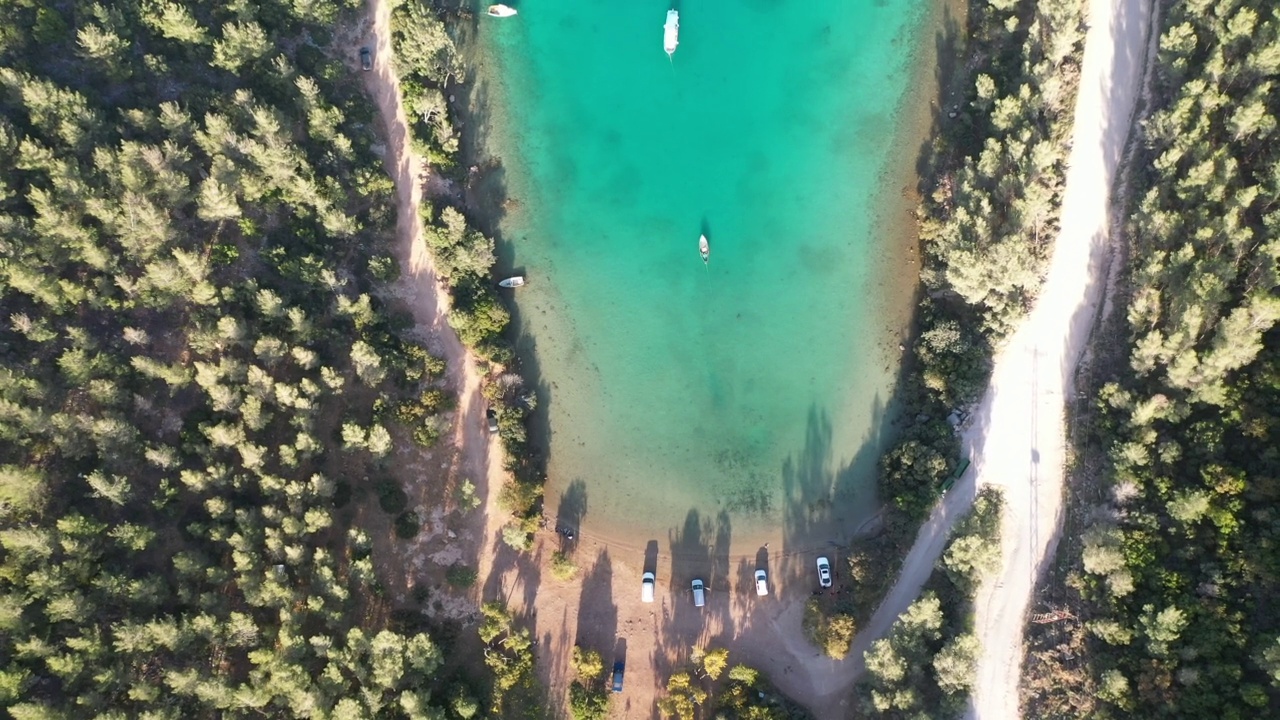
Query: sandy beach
{"type": "Point", "coordinates": [601, 608]}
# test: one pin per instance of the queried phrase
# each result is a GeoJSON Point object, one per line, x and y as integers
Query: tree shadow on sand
{"type": "Point", "coordinates": [699, 550]}
{"type": "Point", "coordinates": [597, 613]}
{"type": "Point", "coordinates": [514, 577]}
{"type": "Point", "coordinates": [745, 602]}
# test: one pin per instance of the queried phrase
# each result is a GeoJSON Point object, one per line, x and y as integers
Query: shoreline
{"type": "Point", "coordinates": [900, 190]}
{"type": "Point", "coordinates": [764, 635]}
{"type": "Point", "coordinates": [893, 284]}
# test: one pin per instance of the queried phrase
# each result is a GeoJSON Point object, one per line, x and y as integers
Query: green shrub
{"type": "Point", "coordinates": [436, 366]}
{"type": "Point", "coordinates": [974, 549]}
{"type": "Point", "coordinates": [480, 320]}
{"type": "Point", "coordinates": [464, 705]}
{"type": "Point", "coordinates": [519, 498]}
{"type": "Point", "coordinates": [391, 497]}
{"type": "Point", "coordinates": [460, 576]}
{"type": "Point", "coordinates": [465, 496]}
{"type": "Point", "coordinates": [587, 665]}
{"type": "Point", "coordinates": [429, 432]}
{"type": "Point", "coordinates": [435, 401]}
{"type": "Point", "coordinates": [407, 525]}
{"type": "Point", "coordinates": [832, 633]}
{"type": "Point", "coordinates": [588, 703]}
{"type": "Point", "coordinates": [429, 402]}
{"type": "Point", "coordinates": [516, 536]}
{"type": "Point", "coordinates": [384, 268]}
{"type": "Point", "coordinates": [224, 254]}
{"type": "Point", "coordinates": [562, 566]}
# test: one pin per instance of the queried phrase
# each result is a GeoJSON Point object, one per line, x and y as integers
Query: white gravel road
{"type": "Point", "coordinates": [1017, 438]}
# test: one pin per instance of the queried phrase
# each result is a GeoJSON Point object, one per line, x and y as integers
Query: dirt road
{"type": "Point", "coordinates": [1017, 440]}
{"type": "Point", "coordinates": [475, 454]}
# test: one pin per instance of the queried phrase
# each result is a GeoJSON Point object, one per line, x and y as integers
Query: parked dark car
{"type": "Point", "coordinates": [366, 58]}
{"type": "Point", "coordinates": [491, 416]}
{"type": "Point", "coordinates": [618, 667]}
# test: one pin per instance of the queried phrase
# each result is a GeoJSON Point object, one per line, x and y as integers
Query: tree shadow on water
{"type": "Point", "coordinates": [690, 554]}
{"type": "Point", "coordinates": [826, 501]}
{"type": "Point", "coordinates": [570, 511]}
{"type": "Point", "coordinates": [651, 557]}
{"type": "Point", "coordinates": [953, 100]}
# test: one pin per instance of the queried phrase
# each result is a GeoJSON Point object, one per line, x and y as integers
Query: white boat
{"type": "Point", "coordinates": [671, 32]}
{"type": "Point", "coordinates": [705, 248]}
{"type": "Point", "coordinates": [512, 282]}
{"type": "Point", "coordinates": [501, 11]}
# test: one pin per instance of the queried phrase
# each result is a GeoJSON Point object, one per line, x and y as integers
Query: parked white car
{"type": "Point", "coordinates": [699, 593]}
{"type": "Point", "coordinates": [824, 572]}
{"type": "Point", "coordinates": [762, 583]}
{"type": "Point", "coordinates": [646, 587]}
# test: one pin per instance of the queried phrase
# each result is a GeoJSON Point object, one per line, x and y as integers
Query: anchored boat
{"type": "Point", "coordinates": [671, 32]}
{"type": "Point", "coordinates": [501, 11]}
{"type": "Point", "coordinates": [512, 282]}
{"type": "Point", "coordinates": [704, 248]}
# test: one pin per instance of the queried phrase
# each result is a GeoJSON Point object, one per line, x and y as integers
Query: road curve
{"type": "Point", "coordinates": [1016, 436]}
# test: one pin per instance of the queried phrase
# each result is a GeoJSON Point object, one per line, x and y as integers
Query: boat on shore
{"type": "Point", "coordinates": [671, 32]}
{"type": "Point", "coordinates": [512, 282]}
{"type": "Point", "coordinates": [501, 11]}
{"type": "Point", "coordinates": [704, 248]}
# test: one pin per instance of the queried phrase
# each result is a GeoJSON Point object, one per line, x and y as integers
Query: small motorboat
{"type": "Point", "coordinates": [704, 248]}
{"type": "Point", "coordinates": [501, 11]}
{"type": "Point", "coordinates": [512, 282]}
{"type": "Point", "coordinates": [671, 32]}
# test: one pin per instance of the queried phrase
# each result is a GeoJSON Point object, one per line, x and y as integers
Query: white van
{"type": "Point", "coordinates": [646, 587]}
{"type": "Point", "coordinates": [699, 593]}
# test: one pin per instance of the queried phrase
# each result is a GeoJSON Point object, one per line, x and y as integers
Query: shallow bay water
{"type": "Point", "coordinates": [748, 398]}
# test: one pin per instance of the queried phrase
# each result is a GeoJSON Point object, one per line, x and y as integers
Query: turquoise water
{"type": "Point", "coordinates": [752, 391]}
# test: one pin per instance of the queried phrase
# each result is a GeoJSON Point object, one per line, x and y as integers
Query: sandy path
{"type": "Point", "coordinates": [476, 455]}
{"type": "Point", "coordinates": [1018, 439]}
